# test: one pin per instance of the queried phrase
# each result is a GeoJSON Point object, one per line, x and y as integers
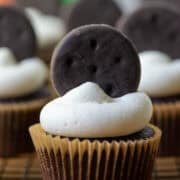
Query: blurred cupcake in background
{"type": "Point", "coordinates": [49, 28]}
{"type": "Point", "coordinates": [23, 89]}
{"type": "Point", "coordinates": [154, 29]}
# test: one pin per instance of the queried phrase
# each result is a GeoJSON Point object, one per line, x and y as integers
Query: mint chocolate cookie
{"type": "Point", "coordinates": [96, 53]}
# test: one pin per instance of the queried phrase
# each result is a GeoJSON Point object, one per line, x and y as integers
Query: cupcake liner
{"type": "Point", "coordinates": [167, 118]}
{"type": "Point", "coordinates": [62, 158]}
{"type": "Point", "coordinates": [15, 119]}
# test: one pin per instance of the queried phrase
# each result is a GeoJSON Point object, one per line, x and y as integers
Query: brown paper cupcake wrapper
{"type": "Point", "coordinates": [15, 119]}
{"type": "Point", "coordinates": [65, 159]}
{"type": "Point", "coordinates": [167, 118]}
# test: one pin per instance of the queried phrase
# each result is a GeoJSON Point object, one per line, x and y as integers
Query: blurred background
{"type": "Point", "coordinates": [64, 15]}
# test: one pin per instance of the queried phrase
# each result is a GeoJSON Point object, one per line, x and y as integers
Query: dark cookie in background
{"type": "Point", "coordinates": [94, 12]}
{"type": "Point", "coordinates": [96, 53]}
{"type": "Point", "coordinates": [17, 33]}
{"type": "Point", "coordinates": [154, 26]}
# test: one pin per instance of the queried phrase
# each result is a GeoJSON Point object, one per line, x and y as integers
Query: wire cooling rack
{"type": "Point", "coordinates": [26, 167]}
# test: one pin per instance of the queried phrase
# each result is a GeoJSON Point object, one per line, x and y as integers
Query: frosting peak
{"type": "Point", "coordinates": [87, 111]}
{"type": "Point", "coordinates": [88, 92]}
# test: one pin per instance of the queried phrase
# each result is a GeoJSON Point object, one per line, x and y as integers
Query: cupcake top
{"type": "Point", "coordinates": [87, 108]}
{"type": "Point", "coordinates": [154, 28]}
{"type": "Point", "coordinates": [22, 78]}
{"type": "Point", "coordinates": [17, 33]}
{"type": "Point", "coordinates": [87, 111]}
{"type": "Point", "coordinates": [21, 72]}
{"type": "Point", "coordinates": [160, 74]}
{"type": "Point", "coordinates": [49, 29]}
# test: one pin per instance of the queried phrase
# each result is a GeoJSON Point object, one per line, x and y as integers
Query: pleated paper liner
{"type": "Point", "coordinates": [66, 159]}
{"type": "Point", "coordinates": [15, 119]}
{"type": "Point", "coordinates": [167, 118]}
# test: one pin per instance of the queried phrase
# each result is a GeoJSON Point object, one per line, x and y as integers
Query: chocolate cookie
{"type": "Point", "coordinates": [17, 33]}
{"type": "Point", "coordinates": [94, 12]}
{"type": "Point", "coordinates": [154, 27]}
{"type": "Point", "coordinates": [96, 53]}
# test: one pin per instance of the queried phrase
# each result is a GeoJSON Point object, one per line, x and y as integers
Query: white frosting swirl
{"type": "Point", "coordinates": [48, 29]}
{"type": "Point", "coordinates": [160, 75]}
{"type": "Point", "coordinates": [20, 79]}
{"type": "Point", "coordinates": [87, 111]}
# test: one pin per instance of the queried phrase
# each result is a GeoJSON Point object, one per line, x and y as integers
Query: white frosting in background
{"type": "Point", "coordinates": [128, 6]}
{"type": "Point", "coordinates": [48, 29]}
{"type": "Point", "coordinates": [87, 111]}
{"type": "Point", "coordinates": [19, 79]}
{"type": "Point", "coordinates": [160, 74]}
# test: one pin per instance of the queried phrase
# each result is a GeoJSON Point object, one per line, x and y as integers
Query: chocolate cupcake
{"type": "Point", "coordinates": [154, 29]}
{"type": "Point", "coordinates": [86, 134]}
{"type": "Point", "coordinates": [22, 82]}
{"type": "Point", "coordinates": [22, 94]}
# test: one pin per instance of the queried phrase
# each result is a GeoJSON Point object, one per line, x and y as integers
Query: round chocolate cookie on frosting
{"type": "Point", "coordinates": [94, 12]}
{"type": "Point", "coordinates": [154, 27]}
{"type": "Point", "coordinates": [96, 53]}
{"type": "Point", "coordinates": [17, 33]}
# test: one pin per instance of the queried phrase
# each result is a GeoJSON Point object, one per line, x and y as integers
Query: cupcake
{"type": "Point", "coordinates": [23, 89]}
{"type": "Point", "coordinates": [154, 29]}
{"type": "Point", "coordinates": [48, 29]}
{"type": "Point", "coordinates": [99, 128]}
